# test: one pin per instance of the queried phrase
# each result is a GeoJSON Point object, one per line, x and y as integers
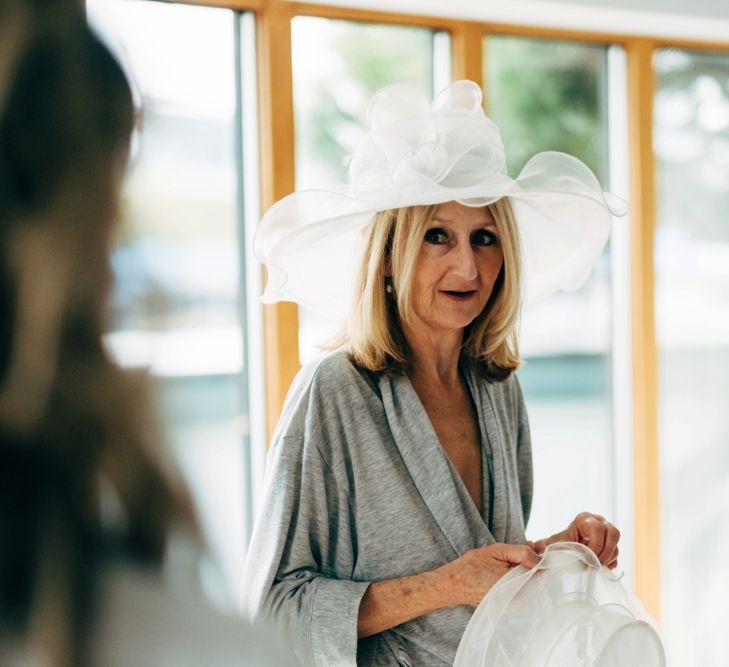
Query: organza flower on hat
{"type": "Point", "coordinates": [419, 153]}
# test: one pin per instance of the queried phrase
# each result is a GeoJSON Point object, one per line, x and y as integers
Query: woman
{"type": "Point", "coordinates": [400, 480]}
{"type": "Point", "coordinates": [88, 504]}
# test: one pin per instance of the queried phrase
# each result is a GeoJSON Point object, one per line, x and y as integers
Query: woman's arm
{"type": "Point", "coordinates": [463, 581]}
{"type": "Point", "coordinates": [300, 554]}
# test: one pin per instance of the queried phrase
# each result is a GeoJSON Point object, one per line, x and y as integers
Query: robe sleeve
{"type": "Point", "coordinates": [302, 554]}
{"type": "Point", "coordinates": [524, 455]}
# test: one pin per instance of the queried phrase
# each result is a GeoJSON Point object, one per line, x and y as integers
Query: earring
{"type": "Point", "coordinates": [388, 286]}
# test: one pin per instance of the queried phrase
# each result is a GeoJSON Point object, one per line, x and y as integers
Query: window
{"type": "Point", "coordinates": [337, 65]}
{"type": "Point", "coordinates": [691, 142]}
{"type": "Point", "coordinates": [552, 95]}
{"type": "Point", "coordinates": [180, 261]}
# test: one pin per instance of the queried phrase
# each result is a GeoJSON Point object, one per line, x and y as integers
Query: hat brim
{"type": "Point", "coordinates": [311, 244]}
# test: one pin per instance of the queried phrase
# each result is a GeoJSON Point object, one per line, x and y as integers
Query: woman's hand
{"type": "Point", "coordinates": [465, 580]}
{"type": "Point", "coordinates": [468, 578]}
{"type": "Point", "coordinates": [591, 530]}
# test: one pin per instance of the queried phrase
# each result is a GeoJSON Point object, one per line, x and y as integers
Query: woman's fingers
{"type": "Point", "coordinates": [611, 545]}
{"type": "Point", "coordinates": [539, 546]}
{"type": "Point", "coordinates": [599, 534]}
{"type": "Point", "coordinates": [613, 562]}
{"type": "Point", "coordinates": [592, 530]}
{"type": "Point", "coordinates": [516, 554]}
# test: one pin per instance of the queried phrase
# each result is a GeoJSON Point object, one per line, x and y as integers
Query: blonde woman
{"type": "Point", "coordinates": [400, 475]}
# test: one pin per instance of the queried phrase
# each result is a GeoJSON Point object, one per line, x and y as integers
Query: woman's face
{"type": "Point", "coordinates": [459, 262]}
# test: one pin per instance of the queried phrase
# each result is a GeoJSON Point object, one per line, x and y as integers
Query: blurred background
{"type": "Point", "coordinates": [186, 285]}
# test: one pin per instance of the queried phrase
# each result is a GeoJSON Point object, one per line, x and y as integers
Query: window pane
{"type": "Point", "coordinates": [337, 65]}
{"type": "Point", "coordinates": [550, 95]}
{"type": "Point", "coordinates": [177, 257]}
{"type": "Point", "coordinates": [691, 140]}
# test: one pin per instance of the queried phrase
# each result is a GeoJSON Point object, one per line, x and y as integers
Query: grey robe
{"type": "Point", "coordinates": [358, 489]}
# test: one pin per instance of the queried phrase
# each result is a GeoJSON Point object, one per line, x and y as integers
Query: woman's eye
{"type": "Point", "coordinates": [483, 237]}
{"type": "Point", "coordinates": [436, 236]}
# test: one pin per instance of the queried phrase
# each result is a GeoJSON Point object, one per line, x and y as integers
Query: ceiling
{"type": "Point", "coordinates": [700, 8]}
{"type": "Point", "coordinates": [702, 20]}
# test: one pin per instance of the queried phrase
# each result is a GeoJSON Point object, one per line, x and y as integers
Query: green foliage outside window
{"type": "Point", "coordinates": [547, 95]}
{"type": "Point", "coordinates": [691, 141]}
{"type": "Point", "coordinates": [331, 100]}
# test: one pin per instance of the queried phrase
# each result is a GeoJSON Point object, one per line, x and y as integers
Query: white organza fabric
{"type": "Point", "coordinates": [568, 611]}
{"type": "Point", "coordinates": [419, 153]}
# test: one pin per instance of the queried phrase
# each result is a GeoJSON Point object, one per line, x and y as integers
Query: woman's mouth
{"type": "Point", "coordinates": [456, 295]}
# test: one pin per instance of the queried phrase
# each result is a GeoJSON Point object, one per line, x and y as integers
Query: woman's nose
{"type": "Point", "coordinates": [464, 262]}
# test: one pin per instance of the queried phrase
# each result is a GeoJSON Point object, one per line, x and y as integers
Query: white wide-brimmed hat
{"type": "Point", "coordinates": [568, 611]}
{"type": "Point", "coordinates": [419, 153]}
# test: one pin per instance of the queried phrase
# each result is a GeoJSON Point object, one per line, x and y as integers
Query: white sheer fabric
{"type": "Point", "coordinates": [568, 611]}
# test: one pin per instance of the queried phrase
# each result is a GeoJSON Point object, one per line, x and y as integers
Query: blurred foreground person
{"type": "Point", "coordinates": [89, 508]}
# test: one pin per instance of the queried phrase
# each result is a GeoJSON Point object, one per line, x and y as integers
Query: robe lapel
{"type": "Point", "coordinates": [492, 441]}
{"type": "Point", "coordinates": [429, 467]}
{"type": "Point", "coordinates": [491, 444]}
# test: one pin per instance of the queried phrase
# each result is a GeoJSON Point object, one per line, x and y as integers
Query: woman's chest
{"type": "Point", "coordinates": [409, 512]}
{"type": "Point", "coordinates": [456, 426]}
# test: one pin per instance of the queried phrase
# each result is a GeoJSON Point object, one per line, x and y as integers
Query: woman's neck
{"type": "Point", "coordinates": [435, 355]}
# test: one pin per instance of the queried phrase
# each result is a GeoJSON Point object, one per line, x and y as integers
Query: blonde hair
{"type": "Point", "coordinates": [374, 338]}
